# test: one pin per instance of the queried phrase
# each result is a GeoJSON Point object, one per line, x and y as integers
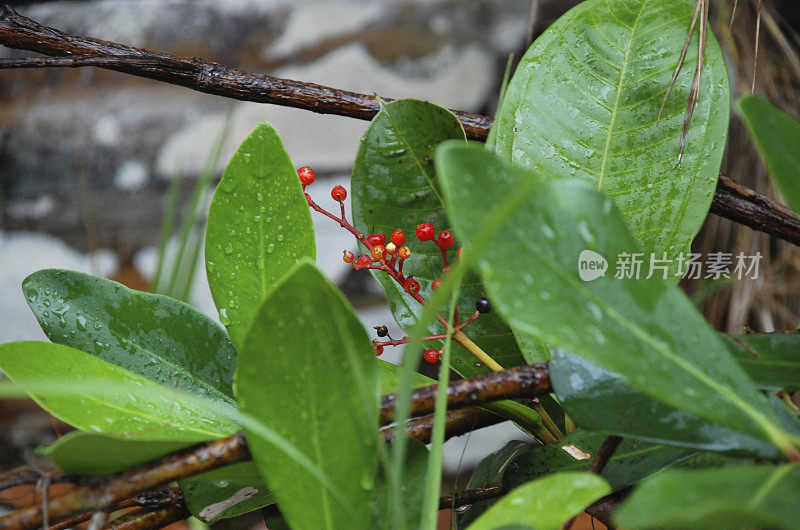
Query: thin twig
{"type": "Point", "coordinates": [144, 518]}
{"type": "Point", "coordinates": [19, 32]}
{"type": "Point", "coordinates": [602, 458]}
{"type": "Point", "coordinates": [481, 493]}
{"type": "Point", "coordinates": [755, 51]}
{"type": "Point", "coordinates": [523, 381]}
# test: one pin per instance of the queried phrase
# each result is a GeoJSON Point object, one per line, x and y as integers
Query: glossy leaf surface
{"type": "Point", "coordinates": [259, 226]}
{"type": "Point", "coordinates": [737, 497]}
{"type": "Point", "coordinates": [544, 504]}
{"type": "Point", "coordinates": [225, 492]}
{"type": "Point", "coordinates": [394, 186]}
{"type": "Point", "coordinates": [85, 453]}
{"type": "Point", "coordinates": [155, 336]}
{"type": "Point", "coordinates": [490, 470]}
{"type": "Point", "coordinates": [772, 360]}
{"type": "Point", "coordinates": [584, 104]}
{"type": "Point", "coordinates": [598, 399]}
{"type": "Point", "coordinates": [625, 325]}
{"type": "Point", "coordinates": [633, 461]}
{"type": "Point", "coordinates": [308, 372]}
{"type": "Point", "coordinates": [96, 396]}
{"type": "Point", "coordinates": [777, 136]}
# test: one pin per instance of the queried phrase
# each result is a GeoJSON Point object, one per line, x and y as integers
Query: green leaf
{"type": "Point", "coordinates": [389, 375]}
{"type": "Point", "coordinates": [777, 137]}
{"type": "Point", "coordinates": [412, 488]}
{"type": "Point", "coordinates": [598, 399]}
{"type": "Point", "coordinates": [307, 371]}
{"type": "Point", "coordinates": [584, 104]}
{"type": "Point", "coordinates": [155, 336]}
{"type": "Point", "coordinates": [737, 497]}
{"type": "Point", "coordinates": [85, 453]}
{"type": "Point", "coordinates": [259, 226]}
{"type": "Point", "coordinates": [225, 492]}
{"type": "Point", "coordinates": [490, 470]}
{"type": "Point", "coordinates": [532, 231]}
{"type": "Point", "coordinates": [771, 360]}
{"type": "Point", "coordinates": [544, 504]}
{"type": "Point", "coordinates": [395, 186]}
{"type": "Point", "coordinates": [632, 462]}
{"type": "Point", "coordinates": [96, 396]}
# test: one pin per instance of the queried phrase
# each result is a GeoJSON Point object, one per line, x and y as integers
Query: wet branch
{"type": "Point", "coordinates": [524, 381]}
{"type": "Point", "coordinates": [94, 495]}
{"type": "Point", "coordinates": [731, 201]}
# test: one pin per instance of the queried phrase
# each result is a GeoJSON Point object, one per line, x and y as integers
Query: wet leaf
{"type": "Point", "coordinates": [627, 325]}
{"type": "Point", "coordinates": [96, 396]}
{"type": "Point", "coordinates": [259, 226]}
{"type": "Point", "coordinates": [490, 470]}
{"type": "Point", "coordinates": [225, 492]}
{"type": "Point", "coordinates": [395, 185]}
{"type": "Point", "coordinates": [771, 360]}
{"type": "Point", "coordinates": [584, 103]}
{"type": "Point", "coordinates": [544, 504]}
{"type": "Point", "coordinates": [777, 137]}
{"type": "Point", "coordinates": [633, 461]}
{"type": "Point", "coordinates": [85, 453]}
{"type": "Point", "coordinates": [308, 372]}
{"type": "Point", "coordinates": [155, 336]}
{"type": "Point", "coordinates": [735, 497]}
{"type": "Point", "coordinates": [599, 399]}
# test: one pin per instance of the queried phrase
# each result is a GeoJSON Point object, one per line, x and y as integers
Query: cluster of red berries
{"type": "Point", "coordinates": [385, 255]}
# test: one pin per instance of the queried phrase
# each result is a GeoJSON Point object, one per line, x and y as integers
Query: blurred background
{"type": "Point", "coordinates": [111, 174]}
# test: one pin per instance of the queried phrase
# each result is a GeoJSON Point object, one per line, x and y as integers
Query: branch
{"type": "Point", "coordinates": [731, 201]}
{"type": "Point", "coordinates": [524, 381]}
{"type": "Point", "coordinates": [114, 489]}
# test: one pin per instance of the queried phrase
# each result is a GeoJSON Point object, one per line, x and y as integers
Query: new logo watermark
{"type": "Point", "coordinates": [591, 265]}
{"type": "Point", "coordinates": [638, 265]}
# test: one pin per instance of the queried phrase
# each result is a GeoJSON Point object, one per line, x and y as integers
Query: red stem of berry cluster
{"type": "Point", "coordinates": [396, 273]}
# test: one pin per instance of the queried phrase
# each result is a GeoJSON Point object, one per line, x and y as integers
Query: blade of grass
{"type": "Point", "coordinates": [490, 140]}
{"type": "Point", "coordinates": [167, 224]}
{"type": "Point", "coordinates": [192, 213]}
{"type": "Point", "coordinates": [433, 481]}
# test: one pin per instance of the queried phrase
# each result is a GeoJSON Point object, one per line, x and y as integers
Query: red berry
{"type": "Point", "coordinates": [378, 252]}
{"type": "Point", "coordinates": [378, 350]}
{"type": "Point", "coordinates": [398, 237]}
{"type": "Point", "coordinates": [404, 252]}
{"type": "Point", "coordinates": [348, 257]}
{"type": "Point", "coordinates": [338, 193]}
{"type": "Point", "coordinates": [363, 261]}
{"type": "Point", "coordinates": [411, 286]}
{"type": "Point", "coordinates": [306, 175]}
{"type": "Point", "coordinates": [425, 232]}
{"type": "Point", "coordinates": [431, 356]}
{"type": "Point", "coordinates": [445, 239]}
{"type": "Point", "coordinates": [436, 284]}
{"type": "Point", "coordinates": [377, 239]}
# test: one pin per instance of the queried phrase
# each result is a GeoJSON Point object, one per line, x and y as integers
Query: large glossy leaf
{"type": "Point", "coordinates": [584, 104]}
{"type": "Point", "coordinates": [633, 461]}
{"type": "Point", "coordinates": [307, 371]}
{"type": "Point", "coordinates": [598, 399]}
{"type": "Point", "coordinates": [544, 504]}
{"type": "Point", "coordinates": [259, 226]}
{"type": "Point", "coordinates": [389, 375]}
{"type": "Point", "coordinates": [394, 185]}
{"type": "Point", "coordinates": [532, 230]}
{"type": "Point", "coordinates": [772, 360]}
{"type": "Point", "coordinates": [155, 336]}
{"type": "Point", "coordinates": [777, 136]}
{"type": "Point", "coordinates": [96, 396]}
{"type": "Point", "coordinates": [226, 492]}
{"type": "Point", "coordinates": [490, 470]}
{"type": "Point", "coordinates": [738, 497]}
{"type": "Point", "coordinates": [86, 453]}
